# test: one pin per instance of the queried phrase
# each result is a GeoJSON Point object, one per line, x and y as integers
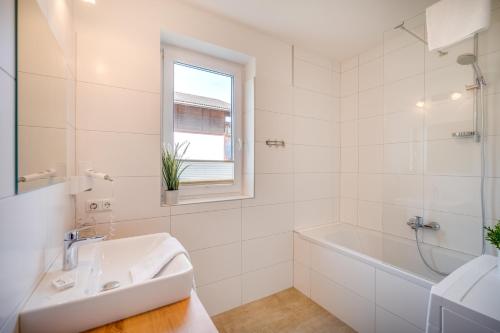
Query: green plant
{"type": "Point", "coordinates": [173, 165]}
{"type": "Point", "coordinates": [493, 235]}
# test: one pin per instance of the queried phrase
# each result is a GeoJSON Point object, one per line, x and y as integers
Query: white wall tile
{"type": "Point", "coordinates": [370, 215]}
{"type": "Point", "coordinates": [313, 159]}
{"type": "Point", "coordinates": [203, 230]}
{"type": "Point", "coordinates": [491, 70]}
{"type": "Point", "coordinates": [349, 159]}
{"type": "Point", "coordinates": [205, 207]}
{"type": "Point", "coordinates": [273, 159]}
{"type": "Point", "coordinates": [405, 190]}
{"type": "Point", "coordinates": [105, 108]}
{"type": "Point", "coordinates": [264, 252]}
{"type": "Point", "coordinates": [492, 156]}
{"type": "Point", "coordinates": [271, 95]}
{"type": "Point", "coordinates": [221, 296]}
{"type": "Point", "coordinates": [458, 232]}
{"type": "Point", "coordinates": [371, 159]}
{"type": "Point", "coordinates": [349, 107]}
{"type": "Point", "coordinates": [348, 211]}
{"type": "Point", "coordinates": [102, 56]}
{"type": "Point", "coordinates": [403, 127]}
{"type": "Point", "coordinates": [404, 62]}
{"type": "Point", "coordinates": [403, 158]}
{"type": "Point", "coordinates": [309, 131]}
{"type": "Point", "coordinates": [312, 77]}
{"type": "Point", "coordinates": [97, 148]}
{"type": "Point", "coordinates": [371, 131]}
{"type": "Point", "coordinates": [133, 198]}
{"type": "Point", "coordinates": [452, 158]}
{"type": "Point", "coordinates": [267, 281]}
{"type": "Point", "coordinates": [132, 228]}
{"type": "Point", "coordinates": [371, 74]}
{"type": "Point", "coordinates": [269, 125]}
{"type": "Point", "coordinates": [261, 221]}
{"type": "Point", "coordinates": [452, 194]}
{"type": "Point", "coordinates": [349, 185]}
{"type": "Point", "coordinates": [402, 96]}
{"type": "Point", "coordinates": [371, 102]}
{"type": "Point", "coordinates": [348, 133]}
{"type": "Point", "coordinates": [271, 189]}
{"type": "Point", "coordinates": [493, 114]}
{"type": "Point", "coordinates": [309, 186]}
{"type": "Point", "coordinates": [313, 212]}
{"type": "Point", "coordinates": [311, 104]}
{"type": "Point", "coordinates": [349, 82]}
{"type": "Point", "coordinates": [216, 263]}
{"type": "Point", "coordinates": [370, 187]}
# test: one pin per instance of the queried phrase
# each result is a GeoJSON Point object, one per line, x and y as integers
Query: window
{"type": "Point", "coordinates": [202, 107]}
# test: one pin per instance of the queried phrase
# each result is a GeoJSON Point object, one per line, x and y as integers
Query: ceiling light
{"type": "Point", "coordinates": [92, 2]}
{"type": "Point", "coordinates": [420, 104]}
{"type": "Point", "coordinates": [455, 96]}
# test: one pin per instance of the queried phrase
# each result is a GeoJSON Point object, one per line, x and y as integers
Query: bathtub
{"type": "Point", "coordinates": [372, 281]}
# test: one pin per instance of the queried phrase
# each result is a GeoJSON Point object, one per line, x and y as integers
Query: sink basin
{"type": "Point", "coordinates": [86, 306]}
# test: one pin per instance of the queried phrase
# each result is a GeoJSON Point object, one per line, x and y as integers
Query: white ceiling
{"type": "Point", "coordinates": [336, 28]}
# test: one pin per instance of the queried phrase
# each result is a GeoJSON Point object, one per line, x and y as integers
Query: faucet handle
{"type": "Point", "coordinates": [74, 234]}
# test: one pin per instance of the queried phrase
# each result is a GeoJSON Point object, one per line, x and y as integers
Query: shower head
{"type": "Point", "coordinates": [471, 59]}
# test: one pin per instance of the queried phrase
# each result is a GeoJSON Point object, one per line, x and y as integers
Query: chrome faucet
{"type": "Point", "coordinates": [417, 222]}
{"type": "Point", "coordinates": [72, 241]}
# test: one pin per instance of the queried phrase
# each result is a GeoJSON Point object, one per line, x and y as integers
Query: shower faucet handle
{"type": "Point", "coordinates": [417, 222]}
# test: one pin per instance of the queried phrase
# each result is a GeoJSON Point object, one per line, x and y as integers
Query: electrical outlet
{"type": "Point", "coordinates": [93, 205]}
{"type": "Point", "coordinates": [107, 204]}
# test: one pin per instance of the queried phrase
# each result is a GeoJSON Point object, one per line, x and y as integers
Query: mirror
{"type": "Point", "coordinates": [45, 94]}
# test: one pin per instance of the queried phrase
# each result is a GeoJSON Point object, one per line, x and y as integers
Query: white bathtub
{"type": "Point", "coordinates": [373, 282]}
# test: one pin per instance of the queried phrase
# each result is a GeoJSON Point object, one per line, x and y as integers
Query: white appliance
{"type": "Point", "coordinates": [451, 21]}
{"type": "Point", "coordinates": [468, 300]}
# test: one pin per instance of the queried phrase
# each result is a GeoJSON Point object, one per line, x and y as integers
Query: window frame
{"type": "Point", "coordinates": [172, 55]}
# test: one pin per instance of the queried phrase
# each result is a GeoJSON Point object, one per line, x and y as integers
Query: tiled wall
{"type": "Point", "coordinates": [399, 160]}
{"type": "Point", "coordinates": [31, 224]}
{"type": "Point", "coordinates": [241, 250]}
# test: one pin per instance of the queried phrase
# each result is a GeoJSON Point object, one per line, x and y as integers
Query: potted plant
{"type": "Point", "coordinates": [493, 236]}
{"type": "Point", "coordinates": [172, 168]}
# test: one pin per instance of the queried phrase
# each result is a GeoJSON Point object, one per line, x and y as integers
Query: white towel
{"type": "Point", "coordinates": [157, 259]}
{"type": "Point", "coordinates": [451, 21]}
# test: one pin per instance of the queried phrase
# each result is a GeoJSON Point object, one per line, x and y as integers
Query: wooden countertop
{"type": "Point", "coordinates": [188, 315]}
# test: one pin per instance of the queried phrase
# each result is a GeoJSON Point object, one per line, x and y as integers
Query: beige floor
{"type": "Point", "coordinates": [286, 311]}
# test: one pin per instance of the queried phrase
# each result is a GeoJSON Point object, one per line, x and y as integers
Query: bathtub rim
{"type": "Point", "coordinates": [372, 261]}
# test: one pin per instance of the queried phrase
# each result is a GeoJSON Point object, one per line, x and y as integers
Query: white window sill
{"type": "Point", "coordinates": [190, 201]}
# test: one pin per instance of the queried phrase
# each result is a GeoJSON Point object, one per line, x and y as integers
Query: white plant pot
{"type": "Point", "coordinates": [172, 197]}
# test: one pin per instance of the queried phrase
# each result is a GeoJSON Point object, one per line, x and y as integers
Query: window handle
{"type": "Point", "coordinates": [240, 144]}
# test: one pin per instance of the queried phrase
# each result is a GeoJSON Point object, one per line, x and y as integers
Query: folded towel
{"type": "Point", "coordinates": [157, 259]}
{"type": "Point", "coordinates": [451, 21]}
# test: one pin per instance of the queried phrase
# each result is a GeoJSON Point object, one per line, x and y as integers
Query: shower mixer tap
{"type": "Point", "coordinates": [417, 222]}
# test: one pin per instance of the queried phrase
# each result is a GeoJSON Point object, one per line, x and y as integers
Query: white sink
{"type": "Point", "coordinates": [85, 306]}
